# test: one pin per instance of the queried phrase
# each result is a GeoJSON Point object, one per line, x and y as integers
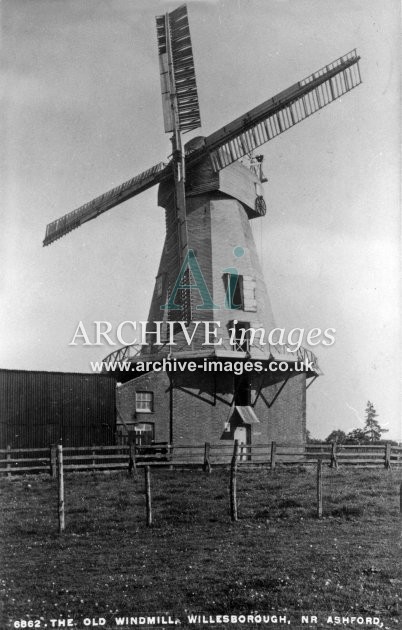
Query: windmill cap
{"type": "Point", "coordinates": [194, 144]}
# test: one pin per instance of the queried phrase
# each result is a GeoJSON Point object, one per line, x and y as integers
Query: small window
{"type": "Point", "coordinates": [159, 285]}
{"type": "Point", "coordinates": [233, 291]}
{"type": "Point", "coordinates": [144, 402]}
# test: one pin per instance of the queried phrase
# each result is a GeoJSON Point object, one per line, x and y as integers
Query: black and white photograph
{"type": "Point", "coordinates": [200, 400]}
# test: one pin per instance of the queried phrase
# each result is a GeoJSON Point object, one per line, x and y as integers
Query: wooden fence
{"type": "Point", "coordinates": [206, 456]}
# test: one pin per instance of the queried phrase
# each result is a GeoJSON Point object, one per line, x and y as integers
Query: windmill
{"type": "Point", "coordinates": [210, 197]}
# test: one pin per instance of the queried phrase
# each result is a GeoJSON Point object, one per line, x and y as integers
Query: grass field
{"type": "Point", "coordinates": [278, 557]}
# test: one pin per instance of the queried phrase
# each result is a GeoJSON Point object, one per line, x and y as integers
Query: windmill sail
{"type": "Point", "coordinates": [104, 202]}
{"type": "Point", "coordinates": [286, 109]}
{"type": "Point", "coordinates": [181, 113]}
{"type": "Point", "coordinates": [177, 71]}
{"type": "Point", "coordinates": [228, 144]}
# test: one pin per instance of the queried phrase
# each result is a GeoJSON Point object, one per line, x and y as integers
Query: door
{"type": "Point", "coordinates": [242, 434]}
{"type": "Point", "coordinates": [242, 390]}
{"type": "Point", "coordinates": [144, 433]}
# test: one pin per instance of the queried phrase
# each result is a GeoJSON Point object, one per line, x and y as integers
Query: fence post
{"type": "Point", "coordinates": [135, 457]}
{"type": "Point", "coordinates": [170, 456]}
{"type": "Point", "coordinates": [60, 486]}
{"type": "Point", "coordinates": [334, 459]}
{"type": "Point", "coordinates": [53, 461]}
{"type": "Point", "coordinates": [207, 463]}
{"type": "Point", "coordinates": [273, 455]}
{"type": "Point", "coordinates": [148, 495]}
{"type": "Point", "coordinates": [387, 462]}
{"type": "Point", "coordinates": [233, 481]}
{"type": "Point", "coordinates": [400, 498]}
{"type": "Point", "coordinates": [8, 456]}
{"type": "Point", "coordinates": [131, 459]}
{"type": "Point", "coordinates": [319, 487]}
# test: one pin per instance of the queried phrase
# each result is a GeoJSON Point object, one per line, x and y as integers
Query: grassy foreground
{"type": "Point", "coordinates": [278, 558]}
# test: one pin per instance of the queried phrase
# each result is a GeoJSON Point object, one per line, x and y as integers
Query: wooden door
{"type": "Point", "coordinates": [242, 434]}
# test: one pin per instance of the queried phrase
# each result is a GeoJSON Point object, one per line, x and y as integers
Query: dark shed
{"type": "Point", "coordinates": [39, 408]}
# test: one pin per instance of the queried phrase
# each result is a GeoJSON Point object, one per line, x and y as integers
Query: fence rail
{"type": "Point", "coordinates": [80, 458]}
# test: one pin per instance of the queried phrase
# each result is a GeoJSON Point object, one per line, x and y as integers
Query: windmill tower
{"type": "Point", "coordinates": [209, 269]}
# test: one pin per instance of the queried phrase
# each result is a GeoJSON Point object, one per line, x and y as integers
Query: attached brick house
{"type": "Point", "coordinates": [182, 409]}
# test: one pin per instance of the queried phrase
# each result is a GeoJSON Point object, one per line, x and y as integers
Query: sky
{"type": "Point", "coordinates": [82, 113]}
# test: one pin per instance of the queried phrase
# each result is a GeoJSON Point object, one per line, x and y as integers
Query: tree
{"type": "Point", "coordinates": [372, 427]}
{"type": "Point", "coordinates": [311, 440]}
{"type": "Point", "coordinates": [336, 436]}
{"type": "Point", "coordinates": [357, 436]}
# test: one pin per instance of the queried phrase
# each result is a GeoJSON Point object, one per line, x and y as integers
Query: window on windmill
{"type": "Point", "coordinates": [233, 291]}
{"type": "Point", "coordinates": [249, 299]}
{"type": "Point", "coordinates": [159, 285]}
{"type": "Point", "coordinates": [144, 402]}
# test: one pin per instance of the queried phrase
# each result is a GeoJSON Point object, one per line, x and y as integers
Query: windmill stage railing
{"type": "Point", "coordinates": [126, 353]}
{"type": "Point", "coordinates": [129, 353]}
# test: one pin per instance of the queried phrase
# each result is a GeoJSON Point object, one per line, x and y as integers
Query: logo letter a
{"type": "Point", "coordinates": [190, 263]}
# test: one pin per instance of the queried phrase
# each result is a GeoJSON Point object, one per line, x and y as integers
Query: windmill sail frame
{"type": "Point", "coordinates": [226, 145]}
{"type": "Point", "coordinates": [181, 113]}
{"type": "Point", "coordinates": [177, 72]}
{"type": "Point", "coordinates": [58, 228]}
{"type": "Point", "coordinates": [281, 112]}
